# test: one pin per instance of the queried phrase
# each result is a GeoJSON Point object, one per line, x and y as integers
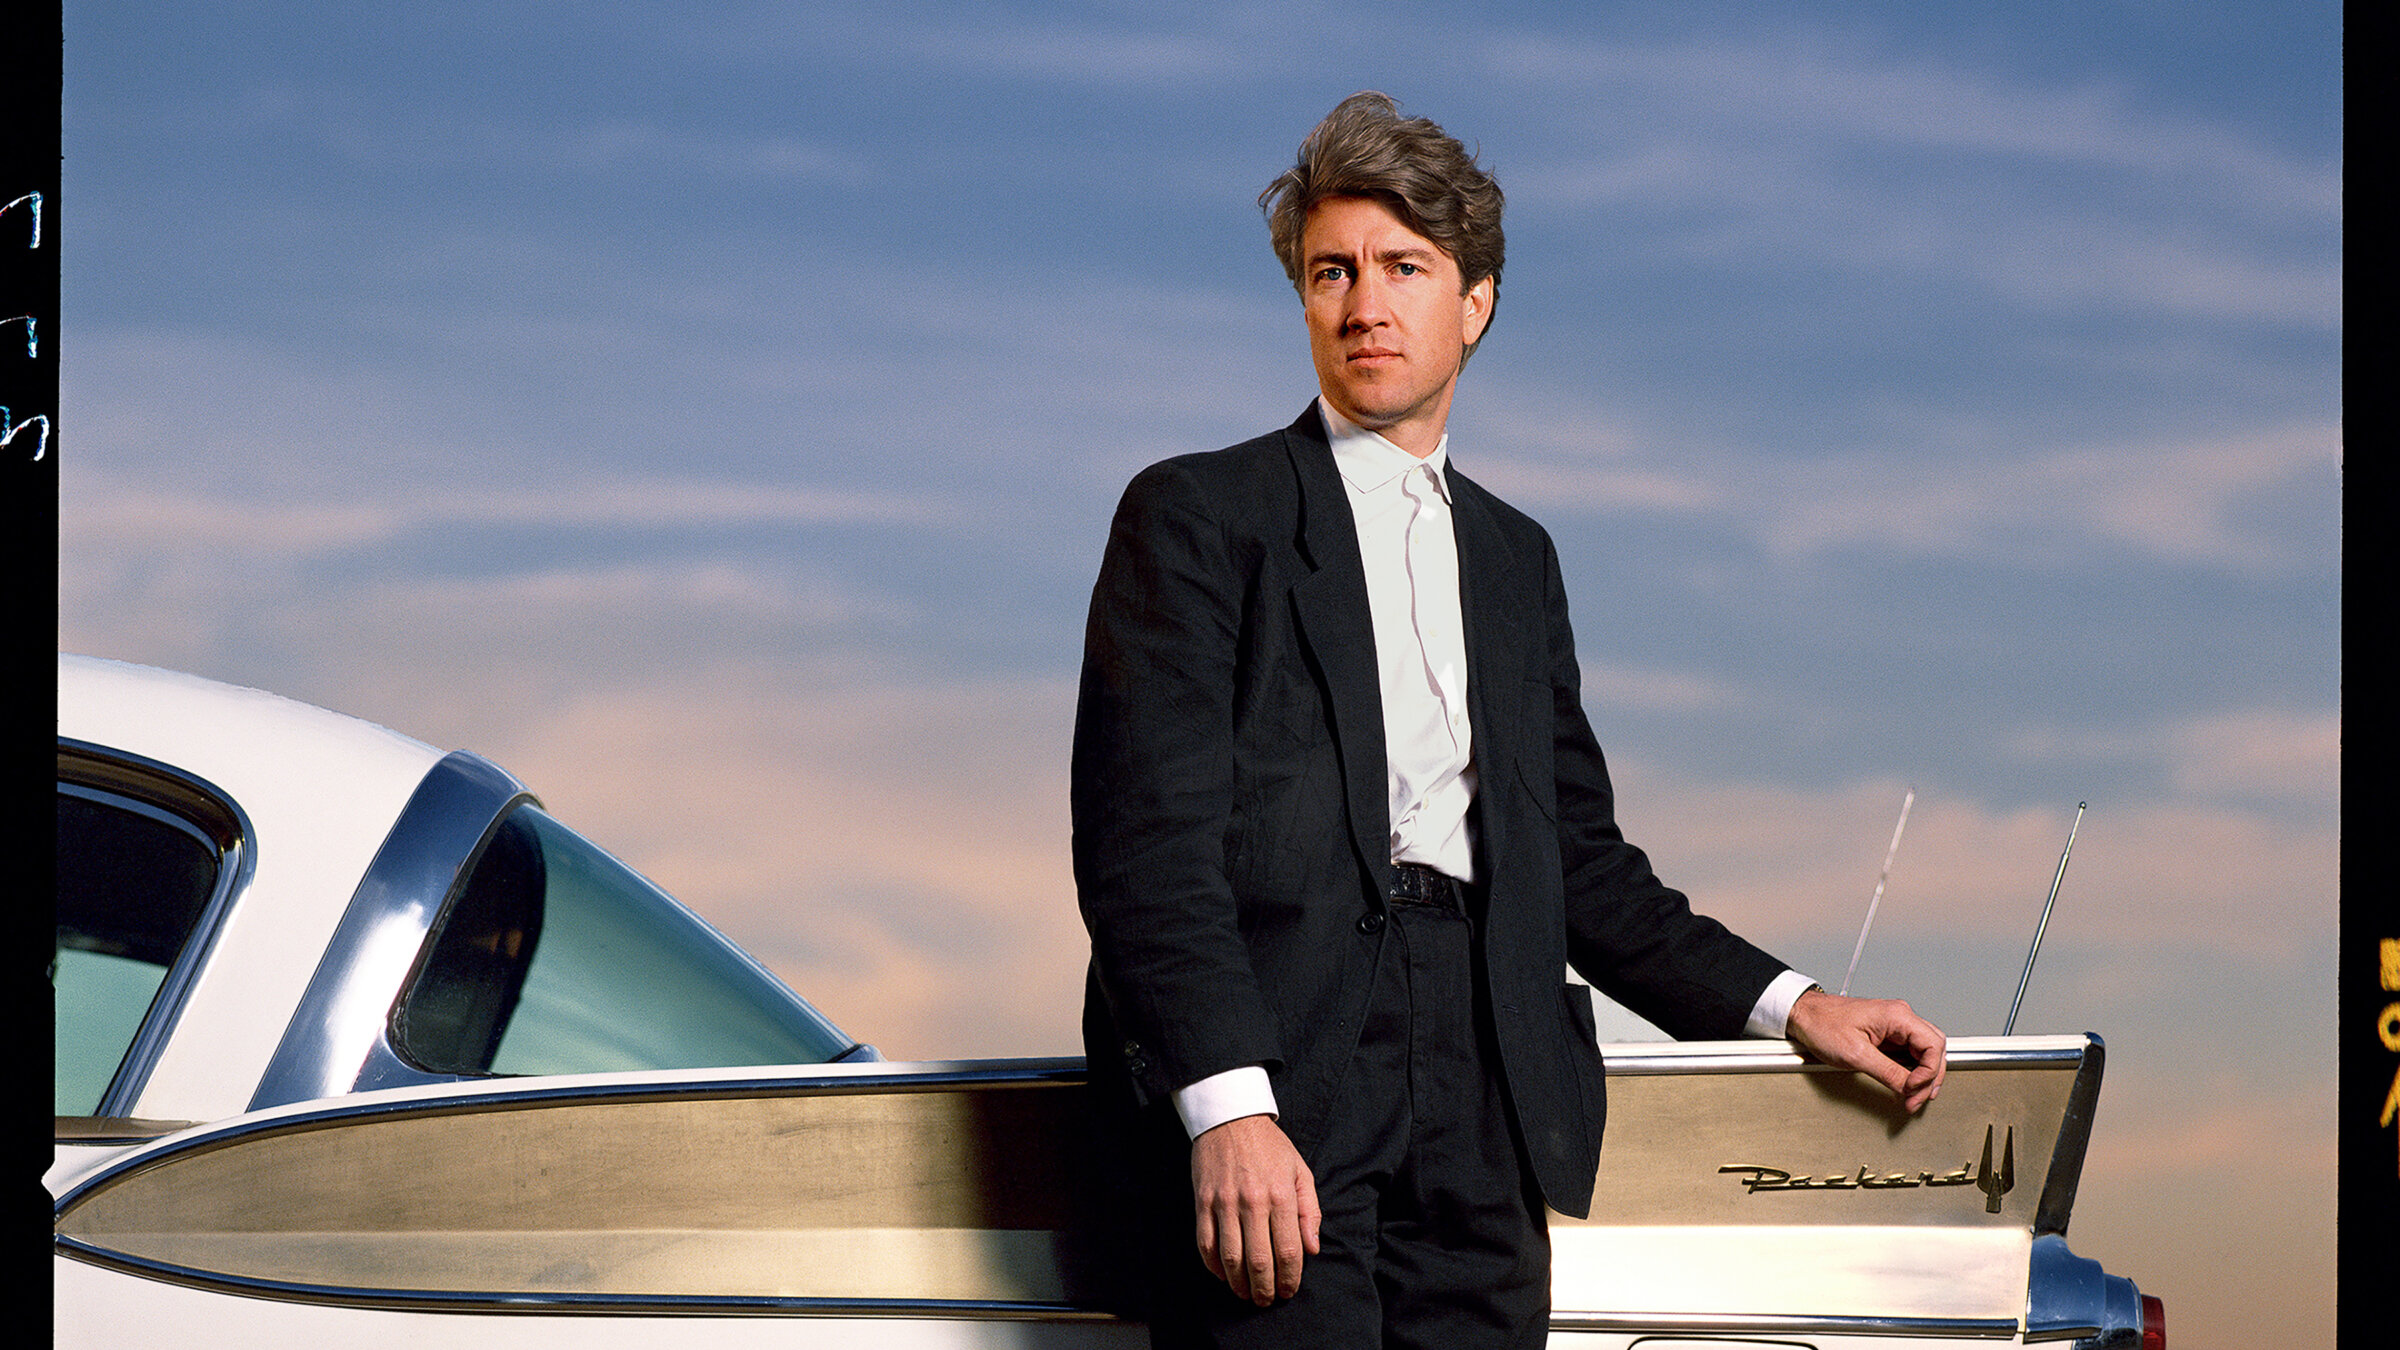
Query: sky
{"type": "Point", "coordinates": [713, 413]}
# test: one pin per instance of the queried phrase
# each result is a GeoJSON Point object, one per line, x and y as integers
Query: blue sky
{"type": "Point", "coordinates": [714, 413]}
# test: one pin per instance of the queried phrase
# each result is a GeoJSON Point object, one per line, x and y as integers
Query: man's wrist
{"type": "Point", "coordinates": [1772, 1015]}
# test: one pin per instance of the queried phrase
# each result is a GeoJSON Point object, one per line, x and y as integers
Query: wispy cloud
{"type": "Point", "coordinates": [1132, 48]}
{"type": "Point", "coordinates": [1788, 862]}
{"type": "Point", "coordinates": [2185, 503]}
{"type": "Point", "coordinates": [110, 515]}
{"type": "Point", "coordinates": [2270, 756]}
{"type": "Point", "coordinates": [313, 597]}
{"type": "Point", "coordinates": [1793, 150]}
{"type": "Point", "coordinates": [465, 146]}
{"type": "Point", "coordinates": [2181, 502]}
{"type": "Point", "coordinates": [1800, 85]}
{"type": "Point", "coordinates": [1611, 685]}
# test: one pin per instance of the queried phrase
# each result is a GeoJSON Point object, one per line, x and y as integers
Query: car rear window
{"type": "Point", "coordinates": [134, 882]}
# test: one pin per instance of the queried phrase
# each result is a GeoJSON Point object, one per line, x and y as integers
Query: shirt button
{"type": "Point", "coordinates": [1370, 923]}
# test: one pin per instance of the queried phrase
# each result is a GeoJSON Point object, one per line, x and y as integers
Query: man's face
{"type": "Point", "coordinates": [1388, 324]}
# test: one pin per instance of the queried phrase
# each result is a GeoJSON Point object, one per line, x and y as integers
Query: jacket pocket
{"type": "Point", "coordinates": [1583, 1051]}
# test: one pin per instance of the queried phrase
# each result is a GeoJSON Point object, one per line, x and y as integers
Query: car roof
{"type": "Point", "coordinates": [201, 725]}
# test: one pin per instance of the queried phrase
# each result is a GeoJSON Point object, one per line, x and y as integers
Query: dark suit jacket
{"type": "Point", "coordinates": [1231, 843]}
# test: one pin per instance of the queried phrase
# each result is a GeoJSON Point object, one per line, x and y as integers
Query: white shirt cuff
{"type": "Point", "coordinates": [1774, 1008]}
{"type": "Point", "coordinates": [1226, 1096]}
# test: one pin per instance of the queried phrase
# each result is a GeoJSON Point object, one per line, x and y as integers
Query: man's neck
{"type": "Point", "coordinates": [1409, 439]}
{"type": "Point", "coordinates": [1420, 435]}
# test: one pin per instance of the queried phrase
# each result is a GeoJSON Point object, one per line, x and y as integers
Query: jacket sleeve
{"type": "Point", "coordinates": [1152, 792]}
{"type": "Point", "coordinates": [1633, 936]}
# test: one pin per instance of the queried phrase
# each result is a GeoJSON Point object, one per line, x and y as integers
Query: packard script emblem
{"type": "Point", "coordinates": [1994, 1180]}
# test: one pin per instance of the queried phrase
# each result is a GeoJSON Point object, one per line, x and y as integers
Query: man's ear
{"type": "Point", "coordinates": [1475, 310]}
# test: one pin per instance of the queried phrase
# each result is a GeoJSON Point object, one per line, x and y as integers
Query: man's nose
{"type": "Point", "coordinates": [1368, 307]}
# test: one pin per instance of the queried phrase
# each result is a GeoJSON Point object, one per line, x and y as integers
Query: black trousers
{"type": "Point", "coordinates": [1434, 1235]}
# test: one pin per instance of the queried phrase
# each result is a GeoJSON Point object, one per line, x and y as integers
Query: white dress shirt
{"type": "Point", "coordinates": [1401, 506]}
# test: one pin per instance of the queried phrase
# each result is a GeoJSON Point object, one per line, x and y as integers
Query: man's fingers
{"type": "Point", "coordinates": [1254, 1244]}
{"type": "Point", "coordinates": [1932, 1054]}
{"type": "Point", "coordinates": [1928, 1055]}
{"type": "Point", "coordinates": [1278, 1231]}
{"type": "Point", "coordinates": [1220, 1243]}
{"type": "Point", "coordinates": [1259, 1256]}
{"type": "Point", "coordinates": [1284, 1229]}
{"type": "Point", "coordinates": [1312, 1217]}
{"type": "Point", "coordinates": [1919, 1087]}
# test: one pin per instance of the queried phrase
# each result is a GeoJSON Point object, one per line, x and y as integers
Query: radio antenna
{"type": "Point", "coordinates": [2044, 925]}
{"type": "Point", "coordinates": [1888, 854]}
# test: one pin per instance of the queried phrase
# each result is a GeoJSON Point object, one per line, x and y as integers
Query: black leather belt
{"type": "Point", "coordinates": [1417, 884]}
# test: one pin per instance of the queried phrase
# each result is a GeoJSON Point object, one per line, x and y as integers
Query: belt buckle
{"type": "Point", "coordinates": [1422, 885]}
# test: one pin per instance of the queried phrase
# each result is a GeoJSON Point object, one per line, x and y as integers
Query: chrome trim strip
{"type": "Point", "coordinates": [1754, 1057]}
{"type": "Point", "coordinates": [337, 1040]}
{"type": "Point", "coordinates": [98, 768]}
{"type": "Point", "coordinates": [691, 1305]}
{"type": "Point", "coordinates": [1777, 1324]}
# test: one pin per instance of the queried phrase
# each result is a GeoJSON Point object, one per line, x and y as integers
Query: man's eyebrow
{"type": "Point", "coordinates": [1397, 253]}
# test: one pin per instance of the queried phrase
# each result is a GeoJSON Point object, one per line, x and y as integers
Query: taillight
{"type": "Point", "coordinates": [2154, 1324]}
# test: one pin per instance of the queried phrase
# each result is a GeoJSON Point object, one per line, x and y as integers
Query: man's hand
{"type": "Point", "coordinates": [1255, 1208]}
{"type": "Point", "coordinates": [1864, 1034]}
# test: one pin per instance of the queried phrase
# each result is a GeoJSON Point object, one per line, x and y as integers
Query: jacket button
{"type": "Point", "coordinates": [1370, 923]}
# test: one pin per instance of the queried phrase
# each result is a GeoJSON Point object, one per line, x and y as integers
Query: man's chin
{"type": "Point", "coordinates": [1381, 419]}
{"type": "Point", "coordinates": [1373, 412]}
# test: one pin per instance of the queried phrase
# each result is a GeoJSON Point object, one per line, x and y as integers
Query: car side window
{"type": "Point", "coordinates": [134, 881]}
{"type": "Point", "coordinates": [553, 957]}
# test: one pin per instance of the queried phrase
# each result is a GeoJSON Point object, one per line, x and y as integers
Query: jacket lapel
{"type": "Point", "coordinates": [1489, 604]}
{"type": "Point", "coordinates": [1337, 630]}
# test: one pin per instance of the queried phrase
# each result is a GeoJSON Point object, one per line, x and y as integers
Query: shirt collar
{"type": "Point", "coordinates": [1367, 461]}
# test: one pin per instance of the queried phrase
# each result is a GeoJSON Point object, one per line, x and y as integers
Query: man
{"type": "Point", "coordinates": [1341, 827]}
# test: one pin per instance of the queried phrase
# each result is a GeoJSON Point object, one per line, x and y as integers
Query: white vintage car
{"type": "Point", "coordinates": [358, 1046]}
